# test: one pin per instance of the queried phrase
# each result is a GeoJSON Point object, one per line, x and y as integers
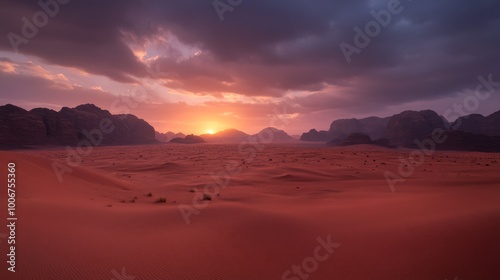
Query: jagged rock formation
{"type": "Point", "coordinates": [69, 126]}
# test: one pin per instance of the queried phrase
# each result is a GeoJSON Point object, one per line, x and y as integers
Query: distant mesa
{"type": "Point", "coordinates": [479, 124]}
{"type": "Point", "coordinates": [340, 129]}
{"type": "Point", "coordinates": [189, 139]}
{"type": "Point", "coordinates": [40, 126]}
{"type": "Point", "coordinates": [358, 138]}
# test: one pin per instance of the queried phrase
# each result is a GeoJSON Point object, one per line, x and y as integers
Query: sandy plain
{"type": "Point", "coordinates": [442, 222]}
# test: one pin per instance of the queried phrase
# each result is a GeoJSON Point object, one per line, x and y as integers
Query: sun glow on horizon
{"type": "Point", "coordinates": [210, 131]}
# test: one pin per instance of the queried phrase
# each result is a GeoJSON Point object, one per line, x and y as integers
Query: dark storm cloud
{"type": "Point", "coordinates": [429, 50]}
{"type": "Point", "coordinates": [82, 34]}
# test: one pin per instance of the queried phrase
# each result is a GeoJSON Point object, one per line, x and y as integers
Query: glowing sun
{"type": "Point", "coordinates": [210, 131]}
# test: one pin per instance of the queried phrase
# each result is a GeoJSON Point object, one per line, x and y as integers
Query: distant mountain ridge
{"type": "Point", "coordinates": [268, 134]}
{"type": "Point", "coordinates": [70, 126]}
{"type": "Point", "coordinates": [168, 136]}
{"type": "Point", "coordinates": [20, 128]}
{"type": "Point", "coordinates": [226, 136]}
{"type": "Point", "coordinates": [407, 128]}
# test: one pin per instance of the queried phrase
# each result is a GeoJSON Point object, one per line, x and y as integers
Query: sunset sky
{"type": "Point", "coordinates": [186, 66]}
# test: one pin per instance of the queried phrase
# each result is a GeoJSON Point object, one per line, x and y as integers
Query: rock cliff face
{"type": "Point", "coordinates": [374, 126]}
{"type": "Point", "coordinates": [479, 124]}
{"type": "Point", "coordinates": [19, 127]}
{"type": "Point", "coordinates": [404, 128]}
{"type": "Point", "coordinates": [40, 126]}
{"type": "Point", "coordinates": [340, 129]}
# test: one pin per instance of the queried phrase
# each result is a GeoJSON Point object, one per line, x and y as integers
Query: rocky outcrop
{"type": "Point", "coordinates": [273, 135]}
{"type": "Point", "coordinates": [19, 127]}
{"type": "Point", "coordinates": [479, 124]}
{"type": "Point", "coordinates": [69, 126]}
{"type": "Point", "coordinates": [189, 139]}
{"type": "Point", "coordinates": [340, 129]}
{"type": "Point", "coordinates": [59, 130]}
{"type": "Point", "coordinates": [315, 136]}
{"type": "Point", "coordinates": [405, 128]}
{"type": "Point", "coordinates": [359, 139]}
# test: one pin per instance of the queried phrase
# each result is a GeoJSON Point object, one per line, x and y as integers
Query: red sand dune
{"type": "Point", "coordinates": [442, 223]}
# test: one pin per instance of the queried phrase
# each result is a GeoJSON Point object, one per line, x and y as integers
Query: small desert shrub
{"type": "Point", "coordinates": [149, 195]}
{"type": "Point", "coordinates": [161, 200]}
{"type": "Point", "coordinates": [207, 197]}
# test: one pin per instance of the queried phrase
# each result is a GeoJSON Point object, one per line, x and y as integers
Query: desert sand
{"type": "Point", "coordinates": [442, 222]}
